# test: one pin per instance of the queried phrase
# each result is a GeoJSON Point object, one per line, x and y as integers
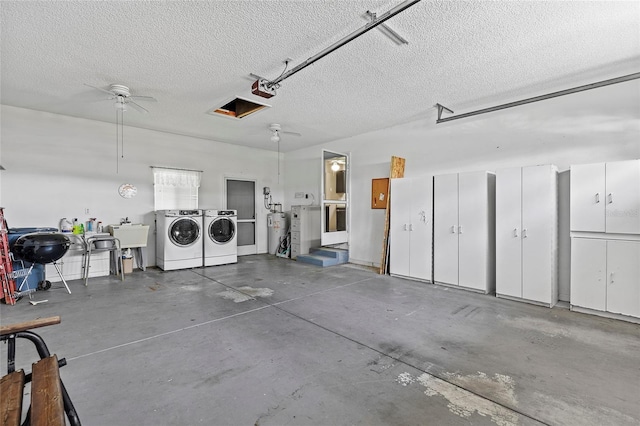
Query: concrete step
{"type": "Point", "coordinates": [325, 256]}
{"type": "Point", "coordinates": [314, 259]}
{"type": "Point", "coordinates": [341, 254]}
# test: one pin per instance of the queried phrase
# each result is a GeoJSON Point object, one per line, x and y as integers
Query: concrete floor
{"type": "Point", "coordinates": [302, 345]}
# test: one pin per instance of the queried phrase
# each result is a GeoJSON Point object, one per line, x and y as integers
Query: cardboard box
{"type": "Point", "coordinates": [127, 265]}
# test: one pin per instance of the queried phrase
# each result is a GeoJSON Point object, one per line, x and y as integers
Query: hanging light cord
{"type": "Point", "coordinates": [119, 137]}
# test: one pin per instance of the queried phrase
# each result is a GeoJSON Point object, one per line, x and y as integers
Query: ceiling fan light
{"type": "Point", "coordinates": [335, 166]}
{"type": "Point", "coordinates": [120, 105]}
{"type": "Point", "coordinates": [275, 137]}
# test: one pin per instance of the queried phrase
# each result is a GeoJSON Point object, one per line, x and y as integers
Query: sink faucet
{"type": "Point", "coordinates": [125, 220]}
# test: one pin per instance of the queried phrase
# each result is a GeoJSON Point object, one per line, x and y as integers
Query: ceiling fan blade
{"type": "Point", "coordinates": [136, 106]}
{"type": "Point", "coordinates": [100, 89]}
{"type": "Point", "coordinates": [143, 98]}
{"type": "Point", "coordinates": [291, 133]}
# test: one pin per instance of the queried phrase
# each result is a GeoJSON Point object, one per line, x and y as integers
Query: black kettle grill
{"type": "Point", "coordinates": [41, 248]}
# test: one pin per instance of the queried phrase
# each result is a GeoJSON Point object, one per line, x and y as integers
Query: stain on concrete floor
{"type": "Point", "coordinates": [464, 403]}
{"type": "Point", "coordinates": [242, 294]}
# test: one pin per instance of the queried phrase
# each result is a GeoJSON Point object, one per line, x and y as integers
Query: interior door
{"type": "Point", "coordinates": [335, 198]}
{"type": "Point", "coordinates": [588, 197]}
{"type": "Point", "coordinates": [420, 226]}
{"type": "Point", "coordinates": [508, 229]}
{"type": "Point", "coordinates": [445, 229]}
{"type": "Point", "coordinates": [241, 196]}
{"type": "Point", "coordinates": [538, 229]}
{"type": "Point", "coordinates": [473, 199]}
{"type": "Point", "coordinates": [623, 275]}
{"type": "Point", "coordinates": [399, 235]}
{"type": "Point", "coordinates": [589, 273]}
{"type": "Point", "coordinates": [623, 197]}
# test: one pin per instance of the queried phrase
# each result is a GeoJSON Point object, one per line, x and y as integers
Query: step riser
{"type": "Point", "coordinates": [341, 255]}
{"type": "Point", "coordinates": [325, 257]}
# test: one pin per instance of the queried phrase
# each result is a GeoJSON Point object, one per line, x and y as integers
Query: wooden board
{"type": "Point", "coordinates": [47, 406]}
{"type": "Point", "coordinates": [28, 325]}
{"type": "Point", "coordinates": [11, 391]}
{"type": "Point", "coordinates": [396, 171]}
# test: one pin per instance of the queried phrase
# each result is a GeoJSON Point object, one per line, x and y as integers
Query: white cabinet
{"type": "Point", "coordinates": [305, 229]}
{"type": "Point", "coordinates": [527, 234]}
{"type": "Point", "coordinates": [605, 275]}
{"type": "Point", "coordinates": [605, 197]}
{"type": "Point", "coordinates": [410, 227]}
{"type": "Point", "coordinates": [463, 230]}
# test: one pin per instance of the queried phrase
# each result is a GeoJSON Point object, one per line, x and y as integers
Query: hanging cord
{"type": "Point", "coordinates": [117, 140]}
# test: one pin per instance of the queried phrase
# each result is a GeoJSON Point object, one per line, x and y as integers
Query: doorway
{"type": "Point", "coordinates": [241, 196]}
{"type": "Point", "coordinates": [335, 198]}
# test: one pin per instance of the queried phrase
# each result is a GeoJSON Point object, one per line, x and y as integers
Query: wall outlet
{"type": "Point", "coordinates": [299, 194]}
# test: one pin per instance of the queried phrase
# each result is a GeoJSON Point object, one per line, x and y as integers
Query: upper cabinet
{"type": "Point", "coordinates": [605, 197]}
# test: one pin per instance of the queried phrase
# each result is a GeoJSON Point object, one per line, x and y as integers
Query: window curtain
{"type": "Point", "coordinates": [176, 189]}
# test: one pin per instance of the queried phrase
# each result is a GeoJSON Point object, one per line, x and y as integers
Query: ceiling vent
{"type": "Point", "coordinates": [238, 108]}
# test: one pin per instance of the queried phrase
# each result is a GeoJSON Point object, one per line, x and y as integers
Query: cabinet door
{"type": "Point", "coordinates": [623, 197]}
{"type": "Point", "coordinates": [445, 231]}
{"type": "Point", "coordinates": [589, 273]}
{"type": "Point", "coordinates": [399, 235]}
{"type": "Point", "coordinates": [539, 232]}
{"type": "Point", "coordinates": [508, 231]}
{"type": "Point", "coordinates": [623, 277]}
{"type": "Point", "coordinates": [473, 246]}
{"type": "Point", "coordinates": [588, 198]}
{"type": "Point", "coordinates": [420, 226]}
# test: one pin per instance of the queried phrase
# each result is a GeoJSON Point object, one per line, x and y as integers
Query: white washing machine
{"type": "Point", "coordinates": [221, 240]}
{"type": "Point", "coordinates": [179, 235]}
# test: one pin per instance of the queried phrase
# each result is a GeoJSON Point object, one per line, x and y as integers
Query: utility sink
{"type": "Point", "coordinates": [131, 235]}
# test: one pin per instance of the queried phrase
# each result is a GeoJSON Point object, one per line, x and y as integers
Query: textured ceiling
{"type": "Point", "coordinates": [193, 56]}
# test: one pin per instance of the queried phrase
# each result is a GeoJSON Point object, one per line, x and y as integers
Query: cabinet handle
{"type": "Point", "coordinates": [612, 278]}
{"type": "Point", "coordinates": [610, 198]}
{"type": "Point", "coordinates": [411, 227]}
{"type": "Point", "coordinates": [524, 233]}
{"type": "Point", "coordinates": [597, 197]}
{"type": "Point", "coordinates": [405, 227]}
{"type": "Point", "coordinates": [459, 229]}
{"type": "Point", "coordinates": [453, 229]}
{"type": "Point", "coordinates": [515, 232]}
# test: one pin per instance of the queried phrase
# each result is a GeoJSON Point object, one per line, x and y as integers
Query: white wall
{"type": "Point", "coordinates": [561, 131]}
{"type": "Point", "coordinates": [58, 166]}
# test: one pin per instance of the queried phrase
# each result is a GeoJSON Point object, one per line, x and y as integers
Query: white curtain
{"type": "Point", "coordinates": [175, 189]}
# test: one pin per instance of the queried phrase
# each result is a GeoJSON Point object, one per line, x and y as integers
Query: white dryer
{"type": "Point", "coordinates": [179, 235]}
{"type": "Point", "coordinates": [221, 240]}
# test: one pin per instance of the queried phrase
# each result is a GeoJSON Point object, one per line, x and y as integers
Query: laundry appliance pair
{"type": "Point", "coordinates": [196, 237]}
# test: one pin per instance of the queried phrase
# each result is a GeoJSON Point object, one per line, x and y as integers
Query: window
{"type": "Point", "coordinates": [175, 188]}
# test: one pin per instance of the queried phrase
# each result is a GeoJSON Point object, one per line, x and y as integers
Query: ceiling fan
{"type": "Point", "coordinates": [276, 131]}
{"type": "Point", "coordinates": [123, 97]}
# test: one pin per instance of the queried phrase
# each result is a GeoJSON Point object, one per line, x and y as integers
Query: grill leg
{"type": "Point", "coordinates": [61, 277]}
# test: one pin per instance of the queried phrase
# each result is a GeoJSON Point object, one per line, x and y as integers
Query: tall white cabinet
{"type": "Point", "coordinates": [527, 234]}
{"type": "Point", "coordinates": [464, 230]}
{"type": "Point", "coordinates": [605, 239]}
{"type": "Point", "coordinates": [410, 227]}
